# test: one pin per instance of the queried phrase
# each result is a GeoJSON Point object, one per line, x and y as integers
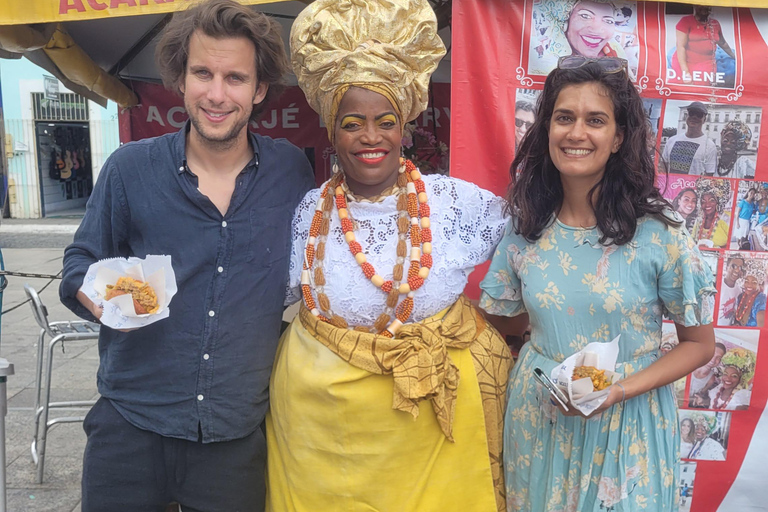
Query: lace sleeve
{"type": "Point", "coordinates": [302, 219]}
{"type": "Point", "coordinates": [474, 219]}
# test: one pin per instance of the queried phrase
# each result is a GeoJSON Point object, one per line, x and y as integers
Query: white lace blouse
{"type": "Point", "coordinates": [467, 223]}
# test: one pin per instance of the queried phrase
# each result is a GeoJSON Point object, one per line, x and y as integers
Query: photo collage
{"type": "Point", "coordinates": [705, 145]}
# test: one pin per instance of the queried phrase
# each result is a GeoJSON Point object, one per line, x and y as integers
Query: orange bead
{"type": "Point", "coordinates": [341, 202]}
{"type": "Point", "coordinates": [426, 235]}
{"type": "Point", "coordinates": [310, 255]}
{"type": "Point", "coordinates": [404, 310]}
{"type": "Point", "coordinates": [347, 226]}
{"type": "Point", "coordinates": [386, 287]}
{"type": "Point", "coordinates": [415, 282]}
{"type": "Point", "coordinates": [355, 247]}
{"type": "Point", "coordinates": [424, 210]}
{"type": "Point", "coordinates": [413, 205]}
{"type": "Point", "coordinates": [426, 260]}
{"type": "Point", "coordinates": [420, 187]}
{"type": "Point", "coordinates": [314, 228]}
{"type": "Point", "coordinates": [413, 270]}
{"type": "Point", "coordinates": [415, 235]}
{"type": "Point", "coordinates": [368, 270]}
{"type": "Point", "coordinates": [308, 300]}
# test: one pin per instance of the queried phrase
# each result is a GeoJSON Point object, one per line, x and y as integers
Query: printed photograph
{"type": "Point", "coordinates": [705, 139]}
{"type": "Point", "coordinates": [590, 28]}
{"type": "Point", "coordinates": [700, 45]}
{"type": "Point", "coordinates": [704, 434]}
{"type": "Point", "coordinates": [704, 204]}
{"type": "Point", "coordinates": [725, 382]}
{"type": "Point", "coordinates": [750, 217]}
{"type": "Point", "coordinates": [742, 292]}
{"type": "Point", "coordinates": [653, 112]}
{"type": "Point", "coordinates": [525, 112]}
{"type": "Point", "coordinates": [687, 477]}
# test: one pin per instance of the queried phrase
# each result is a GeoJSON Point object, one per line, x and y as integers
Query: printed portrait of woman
{"type": "Point", "coordinates": [735, 388]}
{"type": "Point", "coordinates": [710, 435]}
{"type": "Point", "coordinates": [591, 28]}
{"type": "Point", "coordinates": [686, 435]}
{"type": "Point", "coordinates": [699, 53]}
{"type": "Point", "coordinates": [735, 161]}
{"type": "Point", "coordinates": [686, 203]}
{"type": "Point", "coordinates": [750, 304]}
{"type": "Point", "coordinates": [711, 226]}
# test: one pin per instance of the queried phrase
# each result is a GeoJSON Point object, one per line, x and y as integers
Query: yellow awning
{"type": "Point", "coordinates": [17, 12]}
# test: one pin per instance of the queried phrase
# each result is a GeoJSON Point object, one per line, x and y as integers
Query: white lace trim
{"type": "Point", "coordinates": [467, 224]}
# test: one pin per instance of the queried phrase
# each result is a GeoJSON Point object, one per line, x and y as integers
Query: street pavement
{"type": "Point", "coordinates": [37, 246]}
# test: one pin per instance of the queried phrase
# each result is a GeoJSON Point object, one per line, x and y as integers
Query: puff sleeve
{"type": "Point", "coordinates": [685, 281]}
{"type": "Point", "coordinates": [501, 287]}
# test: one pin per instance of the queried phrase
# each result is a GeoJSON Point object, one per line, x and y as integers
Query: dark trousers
{"type": "Point", "coordinates": [126, 468]}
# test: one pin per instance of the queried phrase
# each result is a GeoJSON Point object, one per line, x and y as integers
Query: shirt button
{"type": "Point", "coordinates": [206, 357]}
{"type": "Point", "coordinates": [224, 224]}
{"type": "Point", "coordinates": [211, 313]}
{"type": "Point", "coordinates": [181, 168]}
{"type": "Point", "coordinates": [220, 269]}
{"type": "Point", "coordinates": [199, 398]}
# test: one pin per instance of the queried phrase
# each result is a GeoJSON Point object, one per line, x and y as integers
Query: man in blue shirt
{"type": "Point", "coordinates": [183, 399]}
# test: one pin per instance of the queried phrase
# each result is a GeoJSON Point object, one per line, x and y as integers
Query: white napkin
{"type": "Point", "coordinates": [119, 313]}
{"type": "Point", "coordinates": [581, 392]}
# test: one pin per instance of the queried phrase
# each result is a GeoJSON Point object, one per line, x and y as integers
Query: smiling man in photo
{"type": "Point", "coordinates": [691, 152]}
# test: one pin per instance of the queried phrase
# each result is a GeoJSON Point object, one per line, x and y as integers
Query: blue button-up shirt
{"type": "Point", "coordinates": [206, 368]}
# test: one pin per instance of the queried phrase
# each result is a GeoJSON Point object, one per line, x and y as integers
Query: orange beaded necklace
{"type": "Point", "coordinates": [416, 209]}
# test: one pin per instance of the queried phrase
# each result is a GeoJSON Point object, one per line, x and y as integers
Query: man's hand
{"type": "Point", "coordinates": [95, 310]}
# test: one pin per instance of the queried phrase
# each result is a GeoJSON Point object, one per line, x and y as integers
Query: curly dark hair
{"type": "Point", "coordinates": [224, 19]}
{"type": "Point", "coordinates": [627, 190]}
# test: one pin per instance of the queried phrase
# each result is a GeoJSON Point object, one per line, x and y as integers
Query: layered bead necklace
{"type": "Point", "coordinates": [413, 216]}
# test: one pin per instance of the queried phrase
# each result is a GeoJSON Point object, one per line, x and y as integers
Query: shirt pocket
{"type": "Point", "coordinates": [270, 235]}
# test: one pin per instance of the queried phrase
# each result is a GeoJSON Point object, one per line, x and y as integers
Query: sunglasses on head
{"type": "Point", "coordinates": [520, 123]}
{"type": "Point", "coordinates": [607, 64]}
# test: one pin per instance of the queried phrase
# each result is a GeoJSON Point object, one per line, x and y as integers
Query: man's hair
{"type": "Point", "coordinates": [734, 257]}
{"type": "Point", "coordinates": [721, 347]}
{"type": "Point", "coordinates": [222, 19]}
{"type": "Point", "coordinates": [524, 105]}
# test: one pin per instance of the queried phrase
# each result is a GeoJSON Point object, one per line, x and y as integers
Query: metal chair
{"type": "Point", "coordinates": [58, 332]}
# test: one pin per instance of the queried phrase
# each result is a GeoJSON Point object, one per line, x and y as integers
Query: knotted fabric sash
{"type": "Point", "coordinates": [417, 357]}
{"type": "Point", "coordinates": [422, 369]}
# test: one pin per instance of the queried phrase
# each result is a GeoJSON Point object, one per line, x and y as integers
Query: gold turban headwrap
{"type": "Point", "coordinates": [388, 46]}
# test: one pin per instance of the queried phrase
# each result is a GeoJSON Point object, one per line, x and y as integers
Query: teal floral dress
{"type": "Point", "coordinates": [577, 291]}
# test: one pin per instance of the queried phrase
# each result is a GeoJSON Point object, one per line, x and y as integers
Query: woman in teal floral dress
{"type": "Point", "coordinates": [594, 251]}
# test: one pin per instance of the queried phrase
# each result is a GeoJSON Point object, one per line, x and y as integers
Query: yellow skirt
{"type": "Point", "coordinates": [336, 444]}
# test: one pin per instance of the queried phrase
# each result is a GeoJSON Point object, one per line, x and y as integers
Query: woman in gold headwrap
{"type": "Point", "coordinates": [388, 389]}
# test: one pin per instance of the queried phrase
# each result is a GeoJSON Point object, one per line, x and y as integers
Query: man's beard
{"type": "Point", "coordinates": [222, 142]}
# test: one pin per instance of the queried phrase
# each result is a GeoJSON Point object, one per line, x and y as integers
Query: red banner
{"type": "Point", "coordinates": [291, 117]}
{"type": "Point", "coordinates": [502, 52]}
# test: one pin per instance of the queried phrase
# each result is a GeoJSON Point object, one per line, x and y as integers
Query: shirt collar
{"type": "Point", "coordinates": [180, 149]}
